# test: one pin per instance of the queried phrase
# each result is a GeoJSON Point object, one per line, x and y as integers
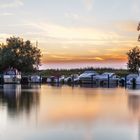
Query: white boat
{"type": "Point", "coordinates": [87, 77]}
{"type": "Point", "coordinates": [35, 79]}
{"type": "Point", "coordinates": [103, 78]}
{"type": "Point", "coordinates": [68, 80]}
{"type": "Point", "coordinates": [130, 78]}
{"type": "Point", "coordinates": [49, 80]}
{"type": "Point", "coordinates": [12, 76]}
{"type": "Point", "coordinates": [138, 80]}
{"type": "Point", "coordinates": [72, 79]}
{"type": "Point", "coordinates": [53, 79]}
{"type": "Point", "coordinates": [61, 79]}
{"type": "Point", "coordinates": [58, 79]}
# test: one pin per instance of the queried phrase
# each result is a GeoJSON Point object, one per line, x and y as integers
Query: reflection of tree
{"type": "Point", "coordinates": [134, 103]}
{"type": "Point", "coordinates": [134, 106]}
{"type": "Point", "coordinates": [18, 100]}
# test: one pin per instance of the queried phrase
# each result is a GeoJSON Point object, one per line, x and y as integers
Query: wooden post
{"type": "Point", "coordinates": [40, 79]}
{"type": "Point", "coordinates": [92, 79]}
{"type": "Point", "coordinates": [125, 82]}
{"type": "Point", "coordinates": [108, 81]}
{"type": "Point", "coordinates": [134, 83]}
{"type": "Point", "coordinates": [73, 79]}
{"type": "Point", "coordinates": [57, 79]}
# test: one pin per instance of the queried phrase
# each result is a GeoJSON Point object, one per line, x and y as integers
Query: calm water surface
{"type": "Point", "coordinates": [46, 112]}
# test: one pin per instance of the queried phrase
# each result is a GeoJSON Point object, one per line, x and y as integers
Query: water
{"type": "Point", "coordinates": [43, 112]}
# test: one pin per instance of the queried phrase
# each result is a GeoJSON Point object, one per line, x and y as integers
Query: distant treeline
{"type": "Point", "coordinates": [67, 72]}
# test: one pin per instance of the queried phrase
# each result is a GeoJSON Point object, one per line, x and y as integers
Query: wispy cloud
{"type": "Point", "coordinates": [89, 4]}
{"type": "Point", "coordinates": [80, 44]}
{"type": "Point", "coordinates": [136, 7]}
{"type": "Point", "coordinates": [6, 14]}
{"type": "Point", "coordinates": [11, 3]}
{"type": "Point", "coordinates": [75, 34]}
{"type": "Point", "coordinates": [127, 26]}
{"type": "Point", "coordinates": [84, 43]}
{"type": "Point", "coordinates": [72, 16]}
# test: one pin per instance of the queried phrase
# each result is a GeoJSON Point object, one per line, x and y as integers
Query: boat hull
{"type": "Point", "coordinates": [12, 79]}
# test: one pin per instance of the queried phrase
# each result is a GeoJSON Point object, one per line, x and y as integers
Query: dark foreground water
{"type": "Point", "coordinates": [65, 113]}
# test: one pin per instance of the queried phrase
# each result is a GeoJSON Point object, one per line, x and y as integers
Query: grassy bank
{"type": "Point", "coordinates": [59, 72]}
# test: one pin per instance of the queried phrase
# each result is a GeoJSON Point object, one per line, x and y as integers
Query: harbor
{"type": "Point", "coordinates": [69, 70]}
{"type": "Point", "coordinates": [91, 78]}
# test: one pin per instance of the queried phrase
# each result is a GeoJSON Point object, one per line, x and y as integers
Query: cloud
{"type": "Point", "coordinates": [72, 16]}
{"type": "Point", "coordinates": [78, 44]}
{"type": "Point", "coordinates": [89, 4]}
{"type": "Point", "coordinates": [6, 14]}
{"type": "Point", "coordinates": [53, 58]}
{"type": "Point", "coordinates": [76, 34]}
{"type": "Point", "coordinates": [127, 26]}
{"type": "Point", "coordinates": [11, 3]}
{"type": "Point", "coordinates": [84, 44]}
{"type": "Point", "coordinates": [98, 58]}
{"type": "Point", "coordinates": [136, 7]}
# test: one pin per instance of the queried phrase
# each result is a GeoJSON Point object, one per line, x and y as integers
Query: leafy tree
{"type": "Point", "coordinates": [134, 59]}
{"type": "Point", "coordinates": [19, 54]}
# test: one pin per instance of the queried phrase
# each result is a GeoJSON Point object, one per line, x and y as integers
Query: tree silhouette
{"type": "Point", "coordinates": [133, 59]}
{"type": "Point", "coordinates": [19, 54]}
{"type": "Point", "coordinates": [134, 56]}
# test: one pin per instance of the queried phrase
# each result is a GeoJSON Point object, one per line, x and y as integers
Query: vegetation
{"type": "Point", "coordinates": [66, 72]}
{"type": "Point", "coordinates": [133, 59]}
{"type": "Point", "coordinates": [19, 54]}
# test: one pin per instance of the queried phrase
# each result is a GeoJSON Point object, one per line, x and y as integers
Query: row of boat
{"type": "Point", "coordinates": [88, 77]}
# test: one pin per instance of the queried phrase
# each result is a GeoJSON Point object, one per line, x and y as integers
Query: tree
{"type": "Point", "coordinates": [19, 54]}
{"type": "Point", "coordinates": [134, 59]}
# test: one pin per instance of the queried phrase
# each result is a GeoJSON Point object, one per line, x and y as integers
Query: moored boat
{"type": "Point", "coordinates": [87, 77]}
{"type": "Point", "coordinates": [12, 76]}
{"type": "Point", "coordinates": [35, 79]}
{"type": "Point", "coordinates": [106, 77]}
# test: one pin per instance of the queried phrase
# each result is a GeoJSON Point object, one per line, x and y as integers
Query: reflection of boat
{"type": "Point", "coordinates": [18, 98]}
{"type": "Point", "coordinates": [12, 89]}
{"type": "Point", "coordinates": [12, 76]}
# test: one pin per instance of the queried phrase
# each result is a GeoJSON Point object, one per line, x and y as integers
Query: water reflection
{"type": "Point", "coordinates": [134, 104]}
{"type": "Point", "coordinates": [65, 112]}
{"type": "Point", "coordinates": [17, 100]}
{"type": "Point", "coordinates": [135, 87]}
{"type": "Point", "coordinates": [134, 107]}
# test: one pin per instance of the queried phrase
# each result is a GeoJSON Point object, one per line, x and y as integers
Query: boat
{"type": "Point", "coordinates": [138, 80]}
{"type": "Point", "coordinates": [55, 79]}
{"type": "Point", "coordinates": [11, 76]}
{"type": "Point", "coordinates": [87, 77]}
{"type": "Point", "coordinates": [129, 78]}
{"type": "Point", "coordinates": [61, 79]}
{"type": "Point", "coordinates": [72, 79]}
{"type": "Point", "coordinates": [105, 77]}
{"type": "Point", "coordinates": [133, 79]}
{"type": "Point", "coordinates": [35, 79]}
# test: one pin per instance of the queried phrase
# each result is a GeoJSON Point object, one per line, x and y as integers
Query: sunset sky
{"type": "Point", "coordinates": [74, 33]}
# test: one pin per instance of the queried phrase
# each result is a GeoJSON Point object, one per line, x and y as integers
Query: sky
{"type": "Point", "coordinates": [74, 33]}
